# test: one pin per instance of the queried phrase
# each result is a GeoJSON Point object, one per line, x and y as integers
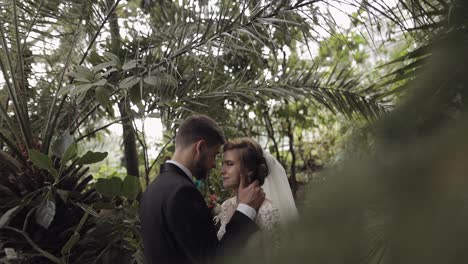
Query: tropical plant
{"type": "Point", "coordinates": [46, 197]}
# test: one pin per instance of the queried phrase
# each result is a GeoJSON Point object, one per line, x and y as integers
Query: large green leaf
{"type": "Point", "coordinates": [129, 82]}
{"type": "Point", "coordinates": [84, 71]}
{"type": "Point", "coordinates": [40, 160]}
{"type": "Point", "coordinates": [109, 187]}
{"type": "Point", "coordinates": [8, 215]}
{"type": "Point", "coordinates": [131, 187]}
{"type": "Point", "coordinates": [152, 80]}
{"type": "Point", "coordinates": [78, 77]}
{"type": "Point", "coordinates": [70, 243]}
{"type": "Point", "coordinates": [69, 154]}
{"type": "Point", "coordinates": [81, 97]}
{"type": "Point", "coordinates": [130, 65]}
{"type": "Point", "coordinates": [103, 96]}
{"type": "Point", "coordinates": [54, 173]}
{"type": "Point", "coordinates": [92, 157]}
{"type": "Point", "coordinates": [167, 79]}
{"type": "Point", "coordinates": [112, 57]}
{"type": "Point", "coordinates": [80, 89]}
{"type": "Point", "coordinates": [100, 82]}
{"type": "Point", "coordinates": [61, 144]}
{"type": "Point", "coordinates": [6, 160]}
{"type": "Point", "coordinates": [104, 65]}
{"type": "Point", "coordinates": [45, 213]}
{"type": "Point", "coordinates": [88, 209]}
{"type": "Point", "coordinates": [66, 89]}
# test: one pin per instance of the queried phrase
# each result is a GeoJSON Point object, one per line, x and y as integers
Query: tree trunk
{"type": "Point", "coordinates": [271, 133]}
{"type": "Point", "coordinates": [129, 138]}
{"type": "Point", "coordinates": [292, 178]}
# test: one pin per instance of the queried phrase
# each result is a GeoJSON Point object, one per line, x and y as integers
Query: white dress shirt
{"type": "Point", "coordinates": [243, 208]}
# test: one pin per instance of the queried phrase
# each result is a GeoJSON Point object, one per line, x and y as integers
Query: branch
{"type": "Point", "coordinates": [103, 127]}
{"type": "Point", "coordinates": [91, 44]}
{"type": "Point", "coordinates": [35, 246]}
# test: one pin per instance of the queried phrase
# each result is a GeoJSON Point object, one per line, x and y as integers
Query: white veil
{"type": "Point", "coordinates": [277, 189]}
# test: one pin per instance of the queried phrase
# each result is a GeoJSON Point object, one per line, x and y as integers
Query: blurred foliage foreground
{"type": "Point", "coordinates": [408, 202]}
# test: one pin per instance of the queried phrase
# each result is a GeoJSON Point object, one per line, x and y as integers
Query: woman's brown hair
{"type": "Point", "coordinates": [251, 157]}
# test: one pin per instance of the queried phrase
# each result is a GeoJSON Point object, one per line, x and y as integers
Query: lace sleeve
{"type": "Point", "coordinates": [268, 217]}
{"type": "Point", "coordinates": [223, 217]}
{"type": "Point", "coordinates": [268, 220]}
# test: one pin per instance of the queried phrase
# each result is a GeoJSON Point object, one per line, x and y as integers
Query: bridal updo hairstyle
{"type": "Point", "coordinates": [251, 156]}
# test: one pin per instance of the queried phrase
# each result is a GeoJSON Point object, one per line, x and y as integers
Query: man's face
{"type": "Point", "coordinates": [206, 161]}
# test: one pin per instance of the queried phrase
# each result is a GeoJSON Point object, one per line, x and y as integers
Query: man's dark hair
{"type": "Point", "coordinates": [199, 127]}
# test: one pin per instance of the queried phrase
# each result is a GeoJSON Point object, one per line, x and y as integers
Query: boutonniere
{"type": "Point", "coordinates": [213, 205]}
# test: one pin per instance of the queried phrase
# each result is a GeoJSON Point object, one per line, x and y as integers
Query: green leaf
{"type": "Point", "coordinates": [101, 82]}
{"type": "Point", "coordinates": [109, 72]}
{"type": "Point", "coordinates": [8, 215]}
{"type": "Point", "coordinates": [104, 65]}
{"type": "Point", "coordinates": [66, 89]}
{"type": "Point", "coordinates": [84, 71]}
{"type": "Point", "coordinates": [82, 222]}
{"type": "Point", "coordinates": [80, 98]}
{"type": "Point", "coordinates": [112, 57]}
{"type": "Point", "coordinates": [152, 80]}
{"type": "Point", "coordinates": [63, 194]}
{"type": "Point", "coordinates": [109, 187]}
{"type": "Point", "coordinates": [69, 154]}
{"type": "Point", "coordinates": [40, 160]}
{"type": "Point", "coordinates": [82, 88]}
{"type": "Point", "coordinates": [70, 243]}
{"type": "Point", "coordinates": [88, 209]}
{"type": "Point", "coordinates": [130, 65]}
{"type": "Point", "coordinates": [92, 157]}
{"type": "Point", "coordinates": [54, 173]}
{"type": "Point", "coordinates": [61, 144]}
{"type": "Point", "coordinates": [168, 79]}
{"type": "Point", "coordinates": [45, 213]}
{"type": "Point", "coordinates": [103, 96]}
{"type": "Point", "coordinates": [78, 77]}
{"type": "Point", "coordinates": [129, 82]}
{"type": "Point", "coordinates": [157, 70]}
{"type": "Point", "coordinates": [9, 162]}
{"type": "Point", "coordinates": [131, 187]}
{"type": "Point", "coordinates": [273, 21]}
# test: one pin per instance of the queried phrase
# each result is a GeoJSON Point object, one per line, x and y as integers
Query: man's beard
{"type": "Point", "coordinates": [201, 172]}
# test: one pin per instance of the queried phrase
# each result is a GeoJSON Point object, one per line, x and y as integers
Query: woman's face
{"type": "Point", "coordinates": [231, 169]}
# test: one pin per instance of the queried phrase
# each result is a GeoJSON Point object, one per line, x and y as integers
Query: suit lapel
{"type": "Point", "coordinates": [169, 167]}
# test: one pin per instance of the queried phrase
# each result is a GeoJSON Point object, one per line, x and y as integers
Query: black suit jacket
{"type": "Point", "coordinates": [177, 226]}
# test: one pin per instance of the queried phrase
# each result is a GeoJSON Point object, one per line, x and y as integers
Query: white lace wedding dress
{"type": "Point", "coordinates": [273, 216]}
{"type": "Point", "coordinates": [268, 220]}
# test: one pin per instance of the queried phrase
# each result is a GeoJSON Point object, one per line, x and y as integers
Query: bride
{"type": "Point", "coordinates": [243, 157]}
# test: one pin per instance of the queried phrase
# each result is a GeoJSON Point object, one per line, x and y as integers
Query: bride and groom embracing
{"type": "Point", "coordinates": [176, 224]}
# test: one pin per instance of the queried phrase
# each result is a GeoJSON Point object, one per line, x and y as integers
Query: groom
{"type": "Point", "coordinates": [176, 224]}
